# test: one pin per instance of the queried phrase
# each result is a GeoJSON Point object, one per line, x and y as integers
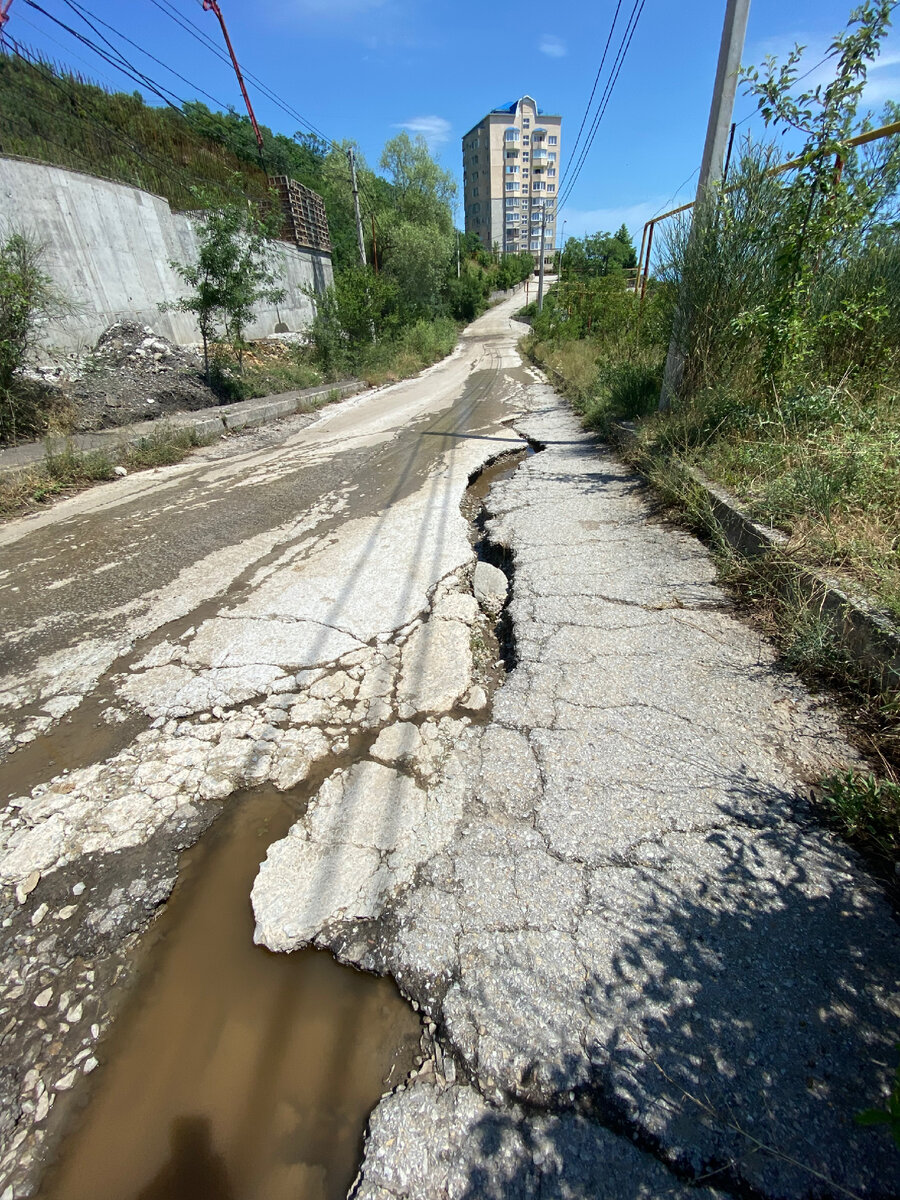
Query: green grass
{"type": "Point", "coordinates": [72, 470]}
{"type": "Point", "coordinates": [268, 370]}
{"type": "Point", "coordinates": [865, 809]}
{"type": "Point", "coordinates": [406, 354]}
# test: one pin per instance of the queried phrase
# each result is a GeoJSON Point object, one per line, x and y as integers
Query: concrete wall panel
{"type": "Point", "coordinates": [109, 248]}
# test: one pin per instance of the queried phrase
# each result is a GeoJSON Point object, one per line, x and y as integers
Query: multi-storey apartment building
{"type": "Point", "coordinates": [511, 164]}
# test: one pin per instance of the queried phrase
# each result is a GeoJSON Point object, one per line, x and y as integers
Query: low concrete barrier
{"type": "Point", "coordinates": [866, 634]}
{"type": "Point", "coordinates": [206, 422]}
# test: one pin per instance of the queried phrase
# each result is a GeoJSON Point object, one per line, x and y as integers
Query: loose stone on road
{"type": "Point", "coordinates": [641, 962]}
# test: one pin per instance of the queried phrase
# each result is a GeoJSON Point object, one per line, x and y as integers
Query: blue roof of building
{"type": "Point", "coordinates": [511, 108]}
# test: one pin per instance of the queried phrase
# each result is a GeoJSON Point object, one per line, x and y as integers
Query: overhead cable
{"type": "Point", "coordinates": [605, 98]}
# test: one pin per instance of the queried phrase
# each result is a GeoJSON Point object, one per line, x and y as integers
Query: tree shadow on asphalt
{"type": "Point", "coordinates": [736, 1016]}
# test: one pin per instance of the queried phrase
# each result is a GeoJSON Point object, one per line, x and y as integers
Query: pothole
{"type": "Point", "coordinates": [233, 1071]}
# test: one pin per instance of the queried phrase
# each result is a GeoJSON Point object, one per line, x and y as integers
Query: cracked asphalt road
{"type": "Point", "coordinates": [647, 966]}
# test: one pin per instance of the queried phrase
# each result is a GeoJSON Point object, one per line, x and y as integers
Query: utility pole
{"type": "Point", "coordinates": [4, 13]}
{"type": "Point", "coordinates": [731, 48]}
{"type": "Point", "coordinates": [359, 232]}
{"type": "Point", "coordinates": [457, 254]}
{"type": "Point", "coordinates": [374, 246]}
{"type": "Point", "coordinates": [540, 301]}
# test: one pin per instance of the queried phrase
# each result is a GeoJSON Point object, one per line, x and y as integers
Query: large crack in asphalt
{"type": "Point", "coordinates": [642, 956]}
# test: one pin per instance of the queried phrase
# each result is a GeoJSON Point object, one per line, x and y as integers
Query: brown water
{"type": "Point", "coordinates": [234, 1073]}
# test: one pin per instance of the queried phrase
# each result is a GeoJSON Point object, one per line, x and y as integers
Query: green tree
{"type": "Point", "coordinates": [823, 209]}
{"type": "Point", "coordinates": [423, 191]}
{"type": "Point", "coordinates": [597, 254]}
{"type": "Point", "coordinates": [232, 272]}
{"type": "Point", "coordinates": [28, 299]}
{"type": "Point", "coordinates": [418, 257]}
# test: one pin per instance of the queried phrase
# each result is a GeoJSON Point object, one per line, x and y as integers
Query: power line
{"type": "Point", "coordinates": [132, 74]}
{"type": "Point", "coordinates": [572, 158]}
{"type": "Point", "coordinates": [71, 54]}
{"type": "Point", "coordinates": [80, 9]}
{"type": "Point", "coordinates": [567, 187]}
{"type": "Point", "coordinates": [156, 162]}
{"type": "Point", "coordinates": [593, 90]}
{"type": "Point", "coordinates": [602, 105]}
{"type": "Point", "coordinates": [200, 35]}
{"type": "Point", "coordinates": [663, 207]}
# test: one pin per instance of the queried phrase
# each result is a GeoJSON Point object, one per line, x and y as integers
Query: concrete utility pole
{"type": "Point", "coordinates": [718, 130]}
{"type": "Point", "coordinates": [457, 254]}
{"type": "Point", "coordinates": [541, 275]}
{"type": "Point", "coordinates": [359, 232]}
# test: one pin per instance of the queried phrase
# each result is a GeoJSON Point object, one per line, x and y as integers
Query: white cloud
{"type": "Point", "coordinates": [885, 60]}
{"type": "Point", "coordinates": [435, 130]}
{"type": "Point", "coordinates": [881, 88]}
{"type": "Point", "coordinates": [553, 47]}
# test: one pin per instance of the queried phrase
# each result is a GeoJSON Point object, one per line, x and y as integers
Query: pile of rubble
{"type": "Point", "coordinates": [134, 374]}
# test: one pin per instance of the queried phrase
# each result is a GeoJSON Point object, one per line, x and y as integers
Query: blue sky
{"type": "Point", "coordinates": [364, 69]}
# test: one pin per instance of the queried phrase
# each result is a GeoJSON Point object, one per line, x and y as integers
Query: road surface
{"type": "Point", "coordinates": [583, 851]}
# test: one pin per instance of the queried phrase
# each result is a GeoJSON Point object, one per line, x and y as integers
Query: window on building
{"type": "Point", "coordinates": [551, 156]}
{"type": "Point", "coordinates": [535, 245]}
{"type": "Point", "coordinates": [552, 172]}
{"type": "Point", "coordinates": [512, 187]}
{"type": "Point", "coordinates": [512, 135]}
{"type": "Point", "coordinates": [474, 191]}
{"type": "Point", "coordinates": [552, 139]}
{"type": "Point", "coordinates": [551, 187]}
{"type": "Point", "coordinates": [512, 170]}
{"type": "Point", "coordinates": [526, 122]}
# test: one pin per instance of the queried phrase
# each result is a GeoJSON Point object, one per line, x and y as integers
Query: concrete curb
{"type": "Point", "coordinates": [865, 633]}
{"type": "Point", "coordinates": [205, 422]}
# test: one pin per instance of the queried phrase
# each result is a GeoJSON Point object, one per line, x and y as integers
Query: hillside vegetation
{"type": "Point", "coordinates": [384, 321]}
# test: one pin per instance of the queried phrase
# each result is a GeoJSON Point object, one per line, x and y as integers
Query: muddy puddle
{"type": "Point", "coordinates": [503, 467]}
{"type": "Point", "coordinates": [233, 1073]}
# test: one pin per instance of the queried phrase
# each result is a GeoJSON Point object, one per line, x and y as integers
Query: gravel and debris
{"type": "Point", "coordinates": [134, 374]}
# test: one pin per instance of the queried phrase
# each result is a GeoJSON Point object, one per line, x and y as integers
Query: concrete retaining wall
{"type": "Point", "coordinates": [108, 247]}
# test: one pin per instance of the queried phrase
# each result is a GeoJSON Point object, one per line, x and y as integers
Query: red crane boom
{"type": "Point", "coordinates": [213, 6]}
